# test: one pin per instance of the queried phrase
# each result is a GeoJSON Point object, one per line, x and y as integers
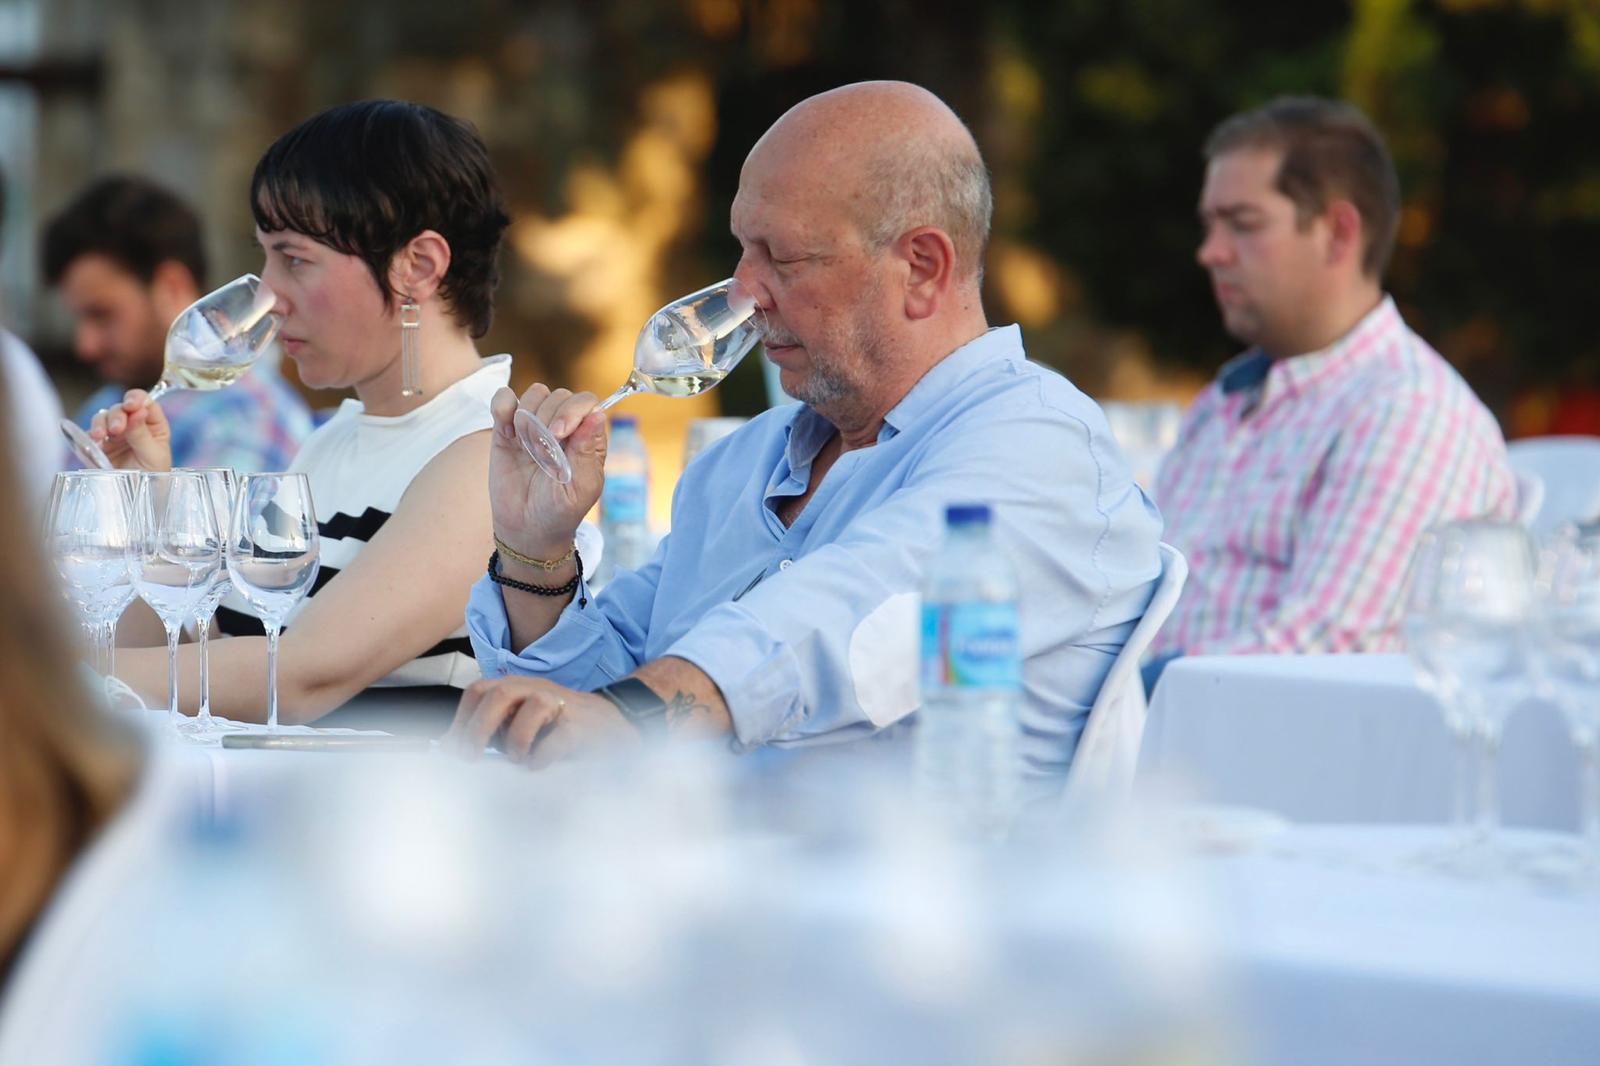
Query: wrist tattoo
{"type": "Point", "coordinates": [683, 707]}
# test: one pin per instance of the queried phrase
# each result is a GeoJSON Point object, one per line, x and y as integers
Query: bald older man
{"type": "Point", "coordinates": [782, 609]}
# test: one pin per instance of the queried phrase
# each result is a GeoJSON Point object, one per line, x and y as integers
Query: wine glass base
{"type": "Point", "coordinates": [83, 446]}
{"type": "Point", "coordinates": [542, 446]}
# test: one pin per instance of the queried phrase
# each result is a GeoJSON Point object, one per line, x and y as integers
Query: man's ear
{"type": "Point", "coordinates": [930, 257]}
{"type": "Point", "coordinates": [1346, 232]}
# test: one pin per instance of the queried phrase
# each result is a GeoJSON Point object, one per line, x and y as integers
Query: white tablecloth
{"type": "Point", "coordinates": [1342, 955]}
{"type": "Point", "coordinates": [1340, 738]}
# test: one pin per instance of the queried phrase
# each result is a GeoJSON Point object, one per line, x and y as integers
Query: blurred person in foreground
{"type": "Point", "coordinates": [782, 608]}
{"type": "Point", "coordinates": [32, 405]}
{"type": "Point", "coordinates": [1304, 476]}
{"type": "Point", "coordinates": [126, 257]}
{"type": "Point", "coordinates": [353, 239]}
{"type": "Point", "coordinates": [67, 772]}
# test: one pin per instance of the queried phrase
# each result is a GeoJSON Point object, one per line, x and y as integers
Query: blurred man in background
{"type": "Point", "coordinates": [1303, 477]}
{"type": "Point", "coordinates": [126, 257]}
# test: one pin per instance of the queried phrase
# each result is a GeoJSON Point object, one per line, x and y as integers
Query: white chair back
{"type": "Point", "coordinates": [1570, 470]}
{"type": "Point", "coordinates": [1530, 497]}
{"type": "Point", "coordinates": [1108, 750]}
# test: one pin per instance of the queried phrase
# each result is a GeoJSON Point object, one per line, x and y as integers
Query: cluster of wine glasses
{"type": "Point", "coordinates": [1493, 619]}
{"type": "Point", "coordinates": [179, 540]}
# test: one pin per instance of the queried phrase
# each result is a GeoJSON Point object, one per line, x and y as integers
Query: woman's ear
{"type": "Point", "coordinates": [418, 269]}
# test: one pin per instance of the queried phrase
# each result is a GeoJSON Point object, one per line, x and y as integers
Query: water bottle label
{"type": "Point", "coordinates": [623, 499]}
{"type": "Point", "coordinates": [970, 645]}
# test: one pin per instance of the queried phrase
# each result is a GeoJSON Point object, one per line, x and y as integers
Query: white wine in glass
{"type": "Point", "coordinates": [209, 346]}
{"type": "Point", "coordinates": [686, 348]}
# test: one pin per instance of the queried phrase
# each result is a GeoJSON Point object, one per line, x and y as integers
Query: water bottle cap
{"type": "Point", "coordinates": [625, 422]}
{"type": "Point", "coordinates": [967, 514]}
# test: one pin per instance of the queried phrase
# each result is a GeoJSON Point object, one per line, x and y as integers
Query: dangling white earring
{"type": "Point", "coordinates": [410, 348]}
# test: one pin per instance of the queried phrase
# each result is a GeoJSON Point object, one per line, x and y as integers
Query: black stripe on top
{"type": "Point", "coordinates": [238, 624]}
{"type": "Point", "coordinates": [343, 527]}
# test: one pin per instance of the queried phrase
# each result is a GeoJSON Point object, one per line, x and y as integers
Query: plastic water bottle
{"type": "Point", "coordinates": [966, 755]}
{"type": "Point", "coordinates": [625, 501]}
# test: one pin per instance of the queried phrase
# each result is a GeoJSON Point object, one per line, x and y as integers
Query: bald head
{"type": "Point", "coordinates": [889, 155]}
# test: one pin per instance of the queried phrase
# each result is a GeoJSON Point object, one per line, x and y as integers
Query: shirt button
{"type": "Point", "coordinates": [786, 564]}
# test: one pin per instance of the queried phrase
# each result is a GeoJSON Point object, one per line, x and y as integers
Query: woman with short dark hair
{"type": "Point", "coordinates": [379, 220]}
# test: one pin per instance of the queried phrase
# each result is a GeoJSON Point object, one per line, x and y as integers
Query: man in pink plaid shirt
{"type": "Point", "coordinates": [1303, 477]}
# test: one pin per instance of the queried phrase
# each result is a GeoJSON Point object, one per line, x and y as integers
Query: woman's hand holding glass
{"type": "Point", "coordinates": [209, 345]}
{"type": "Point", "coordinates": [135, 434]}
{"type": "Point", "coordinates": [533, 513]}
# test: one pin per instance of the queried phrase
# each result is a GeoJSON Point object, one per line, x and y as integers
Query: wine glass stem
{"type": "Point", "coordinates": [106, 640]}
{"type": "Point", "coordinates": [272, 629]}
{"type": "Point", "coordinates": [617, 397]}
{"type": "Point", "coordinates": [202, 625]}
{"type": "Point", "coordinates": [160, 390]}
{"type": "Point", "coordinates": [91, 634]}
{"type": "Point", "coordinates": [1589, 767]}
{"type": "Point", "coordinates": [1487, 816]}
{"type": "Point", "coordinates": [172, 673]}
{"type": "Point", "coordinates": [1461, 785]}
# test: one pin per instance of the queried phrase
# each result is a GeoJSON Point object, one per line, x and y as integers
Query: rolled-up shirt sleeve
{"type": "Point", "coordinates": [593, 643]}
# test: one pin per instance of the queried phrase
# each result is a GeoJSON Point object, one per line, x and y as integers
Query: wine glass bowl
{"type": "Point", "coordinates": [685, 348]}
{"type": "Point", "coordinates": [211, 344]}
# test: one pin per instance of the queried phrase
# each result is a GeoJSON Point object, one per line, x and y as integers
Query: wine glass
{"type": "Point", "coordinates": [1570, 653]}
{"type": "Point", "coordinates": [272, 556]}
{"type": "Point", "coordinates": [91, 533]}
{"type": "Point", "coordinates": [179, 558]}
{"type": "Point", "coordinates": [211, 344]}
{"type": "Point", "coordinates": [686, 348]}
{"type": "Point", "coordinates": [220, 483]}
{"type": "Point", "coordinates": [1471, 602]}
{"type": "Point", "coordinates": [1416, 630]}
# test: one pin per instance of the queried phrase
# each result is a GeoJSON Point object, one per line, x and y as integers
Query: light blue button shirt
{"type": "Point", "coordinates": [810, 631]}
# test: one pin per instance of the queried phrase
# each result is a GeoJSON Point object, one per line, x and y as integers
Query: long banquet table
{"type": "Point", "coordinates": [1340, 738]}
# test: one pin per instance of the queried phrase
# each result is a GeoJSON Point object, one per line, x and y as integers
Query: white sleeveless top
{"type": "Point", "coordinates": [359, 466]}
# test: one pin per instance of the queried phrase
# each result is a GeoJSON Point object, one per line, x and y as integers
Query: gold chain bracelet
{"type": "Point", "coordinates": [528, 560]}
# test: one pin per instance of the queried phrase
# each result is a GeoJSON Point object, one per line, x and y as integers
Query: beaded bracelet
{"type": "Point", "coordinates": [539, 590]}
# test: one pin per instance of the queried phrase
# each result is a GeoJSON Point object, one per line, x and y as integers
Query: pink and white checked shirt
{"type": "Point", "coordinates": [1299, 496]}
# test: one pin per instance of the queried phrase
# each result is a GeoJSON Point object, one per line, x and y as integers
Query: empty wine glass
{"type": "Point", "coordinates": [179, 558]}
{"type": "Point", "coordinates": [1416, 629]}
{"type": "Point", "coordinates": [210, 344]}
{"type": "Point", "coordinates": [220, 482]}
{"type": "Point", "coordinates": [686, 348]}
{"type": "Point", "coordinates": [272, 556]}
{"type": "Point", "coordinates": [91, 534]}
{"type": "Point", "coordinates": [1466, 626]}
{"type": "Point", "coordinates": [1571, 668]}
